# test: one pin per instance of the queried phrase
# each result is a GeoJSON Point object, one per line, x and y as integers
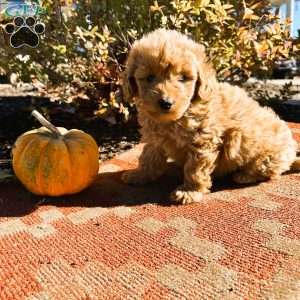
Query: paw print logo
{"type": "Point", "coordinates": [24, 32]}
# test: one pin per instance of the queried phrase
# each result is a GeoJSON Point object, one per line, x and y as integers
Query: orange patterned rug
{"type": "Point", "coordinates": [119, 242]}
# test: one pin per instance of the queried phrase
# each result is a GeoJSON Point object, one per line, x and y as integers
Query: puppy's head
{"type": "Point", "coordinates": [165, 73]}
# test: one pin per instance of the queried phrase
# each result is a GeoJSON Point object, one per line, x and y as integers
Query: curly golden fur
{"type": "Point", "coordinates": [207, 127]}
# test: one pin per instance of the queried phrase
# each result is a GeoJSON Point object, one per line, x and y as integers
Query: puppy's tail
{"type": "Point", "coordinates": [296, 164]}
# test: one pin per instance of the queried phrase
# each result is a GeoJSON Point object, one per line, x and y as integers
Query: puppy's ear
{"type": "Point", "coordinates": [207, 81]}
{"type": "Point", "coordinates": [129, 86]}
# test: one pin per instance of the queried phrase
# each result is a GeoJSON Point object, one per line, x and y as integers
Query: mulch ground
{"type": "Point", "coordinates": [115, 241]}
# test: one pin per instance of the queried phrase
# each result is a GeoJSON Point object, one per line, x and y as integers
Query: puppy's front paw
{"type": "Point", "coordinates": [135, 177]}
{"type": "Point", "coordinates": [185, 196]}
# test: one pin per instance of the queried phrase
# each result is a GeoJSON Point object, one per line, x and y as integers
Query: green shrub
{"type": "Point", "coordinates": [243, 39]}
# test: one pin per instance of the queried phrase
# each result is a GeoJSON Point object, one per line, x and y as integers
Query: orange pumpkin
{"type": "Point", "coordinates": [52, 161]}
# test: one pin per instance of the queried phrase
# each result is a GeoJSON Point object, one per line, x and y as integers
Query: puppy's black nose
{"type": "Point", "coordinates": [165, 103]}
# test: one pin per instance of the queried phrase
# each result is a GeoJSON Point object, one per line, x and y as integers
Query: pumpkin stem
{"type": "Point", "coordinates": [46, 123]}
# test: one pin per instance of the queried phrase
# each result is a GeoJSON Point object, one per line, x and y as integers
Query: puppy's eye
{"type": "Point", "coordinates": [183, 78]}
{"type": "Point", "coordinates": [150, 78]}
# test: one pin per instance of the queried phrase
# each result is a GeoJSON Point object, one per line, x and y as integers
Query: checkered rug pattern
{"type": "Point", "coordinates": [115, 241]}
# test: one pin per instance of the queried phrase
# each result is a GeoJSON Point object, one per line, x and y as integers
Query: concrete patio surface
{"type": "Point", "coordinates": [115, 241]}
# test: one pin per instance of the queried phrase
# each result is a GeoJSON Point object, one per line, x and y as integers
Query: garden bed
{"type": "Point", "coordinates": [15, 119]}
{"type": "Point", "coordinates": [283, 96]}
{"type": "Point", "coordinates": [16, 105]}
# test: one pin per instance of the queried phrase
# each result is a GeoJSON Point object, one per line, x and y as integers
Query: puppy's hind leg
{"type": "Point", "coordinates": [262, 168]}
{"type": "Point", "coordinates": [243, 177]}
{"type": "Point", "coordinates": [152, 164]}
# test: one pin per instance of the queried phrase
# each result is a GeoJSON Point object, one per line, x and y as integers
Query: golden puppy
{"type": "Point", "coordinates": [209, 128]}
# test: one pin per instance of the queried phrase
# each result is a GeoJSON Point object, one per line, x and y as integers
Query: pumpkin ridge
{"type": "Point", "coordinates": [69, 160]}
{"type": "Point", "coordinates": [90, 152]}
{"type": "Point", "coordinates": [22, 159]}
{"type": "Point", "coordinates": [38, 175]}
{"type": "Point", "coordinates": [47, 168]}
{"type": "Point", "coordinates": [74, 153]}
{"type": "Point", "coordinates": [24, 140]}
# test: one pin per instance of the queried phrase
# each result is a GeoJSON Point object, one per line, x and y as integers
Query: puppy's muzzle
{"type": "Point", "coordinates": [165, 103]}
